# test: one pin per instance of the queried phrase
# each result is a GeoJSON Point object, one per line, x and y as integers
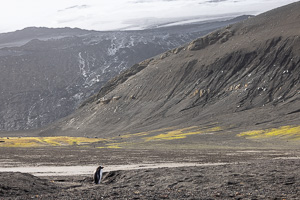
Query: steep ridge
{"type": "Point", "coordinates": [21, 37]}
{"type": "Point", "coordinates": [47, 72]}
{"type": "Point", "coordinates": [244, 76]}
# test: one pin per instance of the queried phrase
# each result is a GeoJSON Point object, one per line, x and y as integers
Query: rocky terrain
{"type": "Point", "coordinates": [46, 73]}
{"type": "Point", "coordinates": [242, 77]}
{"type": "Point", "coordinates": [228, 174]}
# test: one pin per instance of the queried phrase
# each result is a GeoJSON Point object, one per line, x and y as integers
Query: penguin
{"type": "Point", "coordinates": [98, 175]}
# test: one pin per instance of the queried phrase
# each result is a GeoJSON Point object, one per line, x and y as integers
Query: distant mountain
{"type": "Point", "coordinates": [46, 73]}
{"type": "Point", "coordinates": [244, 76]}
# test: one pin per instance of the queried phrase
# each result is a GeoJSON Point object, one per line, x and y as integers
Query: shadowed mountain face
{"type": "Point", "coordinates": [243, 76]}
{"type": "Point", "coordinates": [46, 73]}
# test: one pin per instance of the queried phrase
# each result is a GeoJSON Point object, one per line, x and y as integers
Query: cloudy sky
{"type": "Point", "coordinates": [120, 14]}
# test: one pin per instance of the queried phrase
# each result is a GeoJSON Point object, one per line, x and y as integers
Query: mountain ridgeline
{"type": "Point", "coordinates": [47, 73]}
{"type": "Point", "coordinates": [244, 75]}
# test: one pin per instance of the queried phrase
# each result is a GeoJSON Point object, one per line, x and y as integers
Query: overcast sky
{"type": "Point", "coordinates": [118, 14]}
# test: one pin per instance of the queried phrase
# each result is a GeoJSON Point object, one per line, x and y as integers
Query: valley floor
{"type": "Point", "coordinates": [235, 173]}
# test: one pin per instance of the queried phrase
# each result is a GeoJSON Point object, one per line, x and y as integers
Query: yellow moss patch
{"type": "Point", "coordinates": [182, 133]}
{"type": "Point", "coordinates": [284, 132]}
{"type": "Point", "coordinates": [143, 133]}
{"type": "Point", "coordinates": [170, 133]}
{"type": "Point", "coordinates": [46, 141]}
{"type": "Point", "coordinates": [122, 141]}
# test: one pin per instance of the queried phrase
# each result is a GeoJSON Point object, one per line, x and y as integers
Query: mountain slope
{"type": "Point", "coordinates": [46, 73]}
{"type": "Point", "coordinates": [244, 76]}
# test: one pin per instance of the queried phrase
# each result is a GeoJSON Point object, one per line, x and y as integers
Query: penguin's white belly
{"type": "Point", "coordinates": [100, 176]}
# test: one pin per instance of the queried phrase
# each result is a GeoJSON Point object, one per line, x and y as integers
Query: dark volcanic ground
{"type": "Point", "coordinates": [248, 174]}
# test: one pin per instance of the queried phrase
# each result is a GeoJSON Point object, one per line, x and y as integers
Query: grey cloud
{"type": "Point", "coordinates": [75, 7]}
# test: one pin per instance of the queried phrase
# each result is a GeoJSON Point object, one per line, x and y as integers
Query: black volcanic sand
{"type": "Point", "coordinates": [248, 174]}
